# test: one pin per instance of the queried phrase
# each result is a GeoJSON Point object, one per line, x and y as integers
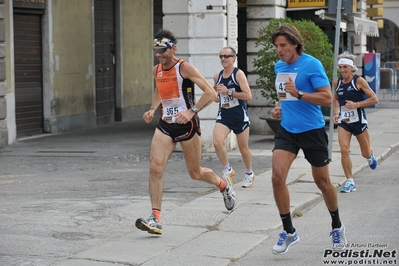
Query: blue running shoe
{"type": "Point", "coordinates": [348, 187]}
{"type": "Point", "coordinates": [338, 238]}
{"type": "Point", "coordinates": [284, 242]}
{"type": "Point", "coordinates": [372, 162]}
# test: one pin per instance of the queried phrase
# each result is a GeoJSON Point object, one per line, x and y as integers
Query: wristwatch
{"type": "Point", "coordinates": [230, 93]}
{"type": "Point", "coordinates": [195, 110]}
{"type": "Point", "coordinates": [300, 94]}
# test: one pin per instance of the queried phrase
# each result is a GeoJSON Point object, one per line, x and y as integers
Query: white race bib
{"type": "Point", "coordinates": [227, 101]}
{"type": "Point", "coordinates": [348, 115]}
{"type": "Point", "coordinates": [170, 108]}
{"type": "Point", "coordinates": [281, 79]}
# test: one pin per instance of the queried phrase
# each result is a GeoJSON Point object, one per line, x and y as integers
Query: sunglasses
{"type": "Point", "coordinates": [160, 51]}
{"type": "Point", "coordinates": [225, 56]}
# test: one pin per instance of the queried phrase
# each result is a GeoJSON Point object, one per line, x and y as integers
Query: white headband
{"type": "Point", "coordinates": [345, 61]}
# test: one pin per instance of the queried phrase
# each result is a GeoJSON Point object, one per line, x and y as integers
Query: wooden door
{"type": "Point", "coordinates": [28, 74]}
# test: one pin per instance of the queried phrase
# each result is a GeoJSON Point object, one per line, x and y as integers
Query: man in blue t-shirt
{"type": "Point", "coordinates": [302, 86]}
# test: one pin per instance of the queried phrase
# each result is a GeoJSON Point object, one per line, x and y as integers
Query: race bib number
{"type": "Point", "coordinates": [349, 115]}
{"type": "Point", "coordinates": [170, 108]}
{"type": "Point", "coordinates": [227, 101]}
{"type": "Point", "coordinates": [281, 79]}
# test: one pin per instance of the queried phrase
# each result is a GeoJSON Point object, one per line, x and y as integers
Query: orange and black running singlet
{"type": "Point", "coordinates": [177, 93]}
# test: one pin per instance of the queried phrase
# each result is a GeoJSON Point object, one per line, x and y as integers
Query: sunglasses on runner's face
{"type": "Point", "coordinates": [161, 50]}
{"type": "Point", "coordinates": [225, 56]}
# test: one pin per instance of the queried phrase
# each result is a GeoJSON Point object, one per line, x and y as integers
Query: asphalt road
{"type": "Point", "coordinates": [370, 215]}
{"type": "Point", "coordinates": [58, 193]}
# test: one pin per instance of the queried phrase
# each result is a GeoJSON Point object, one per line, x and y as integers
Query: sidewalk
{"type": "Point", "coordinates": [202, 232]}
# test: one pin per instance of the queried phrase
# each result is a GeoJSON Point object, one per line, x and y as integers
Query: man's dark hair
{"type": "Point", "coordinates": [292, 35]}
{"type": "Point", "coordinates": [165, 34]}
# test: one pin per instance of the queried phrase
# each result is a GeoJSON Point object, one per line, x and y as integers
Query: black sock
{"type": "Point", "coordinates": [287, 223]}
{"type": "Point", "coordinates": [336, 222]}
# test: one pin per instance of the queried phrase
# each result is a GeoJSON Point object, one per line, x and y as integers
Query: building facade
{"type": "Point", "coordinates": [75, 64]}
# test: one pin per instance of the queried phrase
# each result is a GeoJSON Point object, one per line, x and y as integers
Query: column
{"type": "Point", "coordinates": [3, 87]}
{"type": "Point", "coordinates": [202, 29]}
{"type": "Point", "coordinates": [259, 13]}
{"type": "Point", "coordinates": [359, 40]}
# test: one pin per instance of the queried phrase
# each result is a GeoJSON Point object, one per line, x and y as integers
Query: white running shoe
{"type": "Point", "coordinates": [248, 181]}
{"type": "Point", "coordinates": [284, 242]}
{"type": "Point", "coordinates": [229, 196]}
{"type": "Point", "coordinates": [151, 225]}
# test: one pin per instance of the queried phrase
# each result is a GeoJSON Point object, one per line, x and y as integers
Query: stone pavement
{"type": "Point", "coordinates": [202, 232]}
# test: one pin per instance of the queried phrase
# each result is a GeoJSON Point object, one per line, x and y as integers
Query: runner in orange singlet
{"type": "Point", "coordinates": [179, 122]}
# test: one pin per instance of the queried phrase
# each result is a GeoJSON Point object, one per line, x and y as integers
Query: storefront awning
{"type": "Point", "coordinates": [366, 26]}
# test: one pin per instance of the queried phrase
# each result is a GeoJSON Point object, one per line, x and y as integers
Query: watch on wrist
{"type": "Point", "coordinates": [195, 110]}
{"type": "Point", "coordinates": [230, 93]}
{"type": "Point", "coordinates": [300, 94]}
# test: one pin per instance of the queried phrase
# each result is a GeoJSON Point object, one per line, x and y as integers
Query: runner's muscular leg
{"type": "Point", "coordinates": [242, 141]}
{"type": "Point", "coordinates": [220, 133]}
{"type": "Point", "coordinates": [192, 154]}
{"type": "Point", "coordinates": [364, 142]}
{"type": "Point", "coordinates": [344, 139]}
{"type": "Point", "coordinates": [281, 162]}
{"type": "Point", "coordinates": [321, 176]}
{"type": "Point", "coordinates": [162, 147]}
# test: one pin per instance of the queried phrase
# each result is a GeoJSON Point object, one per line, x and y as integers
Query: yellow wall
{"type": "Point", "coordinates": [137, 55]}
{"type": "Point", "coordinates": [72, 57]}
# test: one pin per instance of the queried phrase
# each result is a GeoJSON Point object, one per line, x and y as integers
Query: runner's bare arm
{"type": "Point", "coordinates": [322, 96]}
{"type": "Point", "coordinates": [190, 72]}
{"type": "Point", "coordinates": [155, 102]}
{"type": "Point", "coordinates": [215, 80]}
{"type": "Point", "coordinates": [362, 84]}
{"type": "Point", "coordinates": [242, 81]}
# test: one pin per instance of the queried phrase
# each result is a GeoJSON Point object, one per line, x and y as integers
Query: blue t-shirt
{"type": "Point", "coordinates": [297, 115]}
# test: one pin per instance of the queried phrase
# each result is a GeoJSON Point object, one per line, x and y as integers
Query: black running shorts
{"type": "Point", "coordinates": [356, 128]}
{"type": "Point", "coordinates": [314, 144]}
{"type": "Point", "coordinates": [180, 132]}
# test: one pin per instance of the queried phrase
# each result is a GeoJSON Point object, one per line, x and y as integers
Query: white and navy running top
{"type": "Point", "coordinates": [231, 108]}
{"type": "Point", "coordinates": [349, 91]}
